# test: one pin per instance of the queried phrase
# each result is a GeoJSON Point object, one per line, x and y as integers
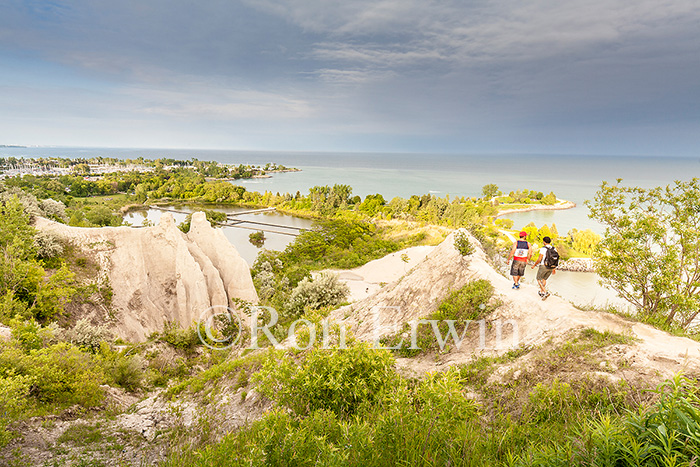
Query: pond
{"type": "Point", "coordinates": [580, 288]}
{"type": "Point", "coordinates": [238, 236]}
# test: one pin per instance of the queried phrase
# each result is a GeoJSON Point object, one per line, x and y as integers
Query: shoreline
{"type": "Point", "coordinates": [561, 205]}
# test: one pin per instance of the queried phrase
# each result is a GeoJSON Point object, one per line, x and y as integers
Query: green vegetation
{"type": "Point", "coordinates": [520, 197]}
{"type": "Point", "coordinates": [324, 291]}
{"type": "Point", "coordinates": [241, 368]}
{"type": "Point", "coordinates": [460, 308]}
{"type": "Point", "coordinates": [665, 434]}
{"type": "Point", "coordinates": [650, 254]}
{"type": "Point", "coordinates": [27, 289]}
{"type": "Point", "coordinates": [576, 244]}
{"type": "Point", "coordinates": [462, 243]}
{"type": "Point", "coordinates": [336, 380]}
{"type": "Point", "coordinates": [350, 407]}
{"type": "Point", "coordinates": [257, 238]}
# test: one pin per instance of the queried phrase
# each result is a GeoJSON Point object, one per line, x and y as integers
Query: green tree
{"type": "Point", "coordinates": [550, 199]}
{"type": "Point", "coordinates": [82, 169]}
{"type": "Point", "coordinates": [372, 204]}
{"type": "Point", "coordinates": [141, 193]}
{"type": "Point", "coordinates": [650, 253]}
{"type": "Point", "coordinates": [544, 232]}
{"type": "Point", "coordinates": [491, 190]}
{"type": "Point", "coordinates": [585, 241]}
{"type": "Point", "coordinates": [532, 232]}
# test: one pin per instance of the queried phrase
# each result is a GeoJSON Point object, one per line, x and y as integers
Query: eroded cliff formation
{"type": "Point", "coordinates": [159, 274]}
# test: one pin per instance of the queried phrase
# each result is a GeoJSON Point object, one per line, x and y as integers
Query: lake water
{"type": "Point", "coordinates": [575, 178]}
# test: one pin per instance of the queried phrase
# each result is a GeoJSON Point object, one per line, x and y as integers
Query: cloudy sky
{"type": "Point", "coordinates": [458, 76]}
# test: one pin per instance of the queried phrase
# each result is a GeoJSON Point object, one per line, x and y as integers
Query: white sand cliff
{"type": "Point", "coordinates": [159, 274]}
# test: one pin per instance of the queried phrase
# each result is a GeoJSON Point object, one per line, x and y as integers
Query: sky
{"type": "Point", "coordinates": [618, 77]}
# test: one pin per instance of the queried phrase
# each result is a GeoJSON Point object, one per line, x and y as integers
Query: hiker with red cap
{"type": "Point", "coordinates": [520, 253]}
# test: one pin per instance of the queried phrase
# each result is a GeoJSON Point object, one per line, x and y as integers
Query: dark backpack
{"type": "Point", "coordinates": [551, 258]}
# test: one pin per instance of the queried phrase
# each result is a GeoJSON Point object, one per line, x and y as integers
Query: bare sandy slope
{"type": "Point", "coordinates": [523, 319]}
{"type": "Point", "coordinates": [369, 278]}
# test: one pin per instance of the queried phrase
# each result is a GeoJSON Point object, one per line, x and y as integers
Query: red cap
{"type": "Point", "coordinates": [523, 234]}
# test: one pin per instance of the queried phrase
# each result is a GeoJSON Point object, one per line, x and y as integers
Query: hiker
{"type": "Point", "coordinates": [520, 253]}
{"type": "Point", "coordinates": [549, 257]}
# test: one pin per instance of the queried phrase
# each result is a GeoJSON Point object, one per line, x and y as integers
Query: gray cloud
{"type": "Point", "coordinates": [498, 73]}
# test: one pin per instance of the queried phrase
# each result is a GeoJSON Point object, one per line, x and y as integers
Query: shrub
{"type": "Point", "coordinates": [504, 223]}
{"type": "Point", "coordinates": [32, 336]}
{"type": "Point", "coordinates": [103, 216]}
{"type": "Point", "coordinates": [29, 203]}
{"type": "Point", "coordinates": [11, 308]}
{"type": "Point", "coordinates": [123, 370]}
{"type": "Point", "coordinates": [265, 284]}
{"type": "Point", "coordinates": [53, 209]}
{"type": "Point", "coordinates": [466, 304]}
{"type": "Point", "coordinates": [325, 290]}
{"type": "Point", "coordinates": [87, 336]}
{"type": "Point", "coordinates": [462, 243]}
{"type": "Point", "coordinates": [182, 339]}
{"type": "Point", "coordinates": [14, 390]}
{"type": "Point", "coordinates": [47, 244]}
{"type": "Point", "coordinates": [53, 293]}
{"type": "Point", "coordinates": [63, 374]}
{"type": "Point", "coordinates": [338, 380]}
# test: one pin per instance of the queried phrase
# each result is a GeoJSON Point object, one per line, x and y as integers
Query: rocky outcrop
{"type": "Point", "coordinates": [159, 274]}
{"type": "Point", "coordinates": [577, 265]}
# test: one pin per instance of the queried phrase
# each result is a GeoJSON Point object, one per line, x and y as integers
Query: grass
{"type": "Point", "coordinates": [431, 423]}
{"type": "Point", "coordinates": [83, 434]}
{"type": "Point", "coordinates": [477, 371]}
{"type": "Point", "coordinates": [240, 368]}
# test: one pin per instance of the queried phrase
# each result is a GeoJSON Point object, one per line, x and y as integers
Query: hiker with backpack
{"type": "Point", "coordinates": [549, 257]}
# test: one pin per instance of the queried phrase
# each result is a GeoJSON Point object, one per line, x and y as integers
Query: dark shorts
{"type": "Point", "coordinates": [518, 268]}
{"type": "Point", "coordinates": [544, 272]}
